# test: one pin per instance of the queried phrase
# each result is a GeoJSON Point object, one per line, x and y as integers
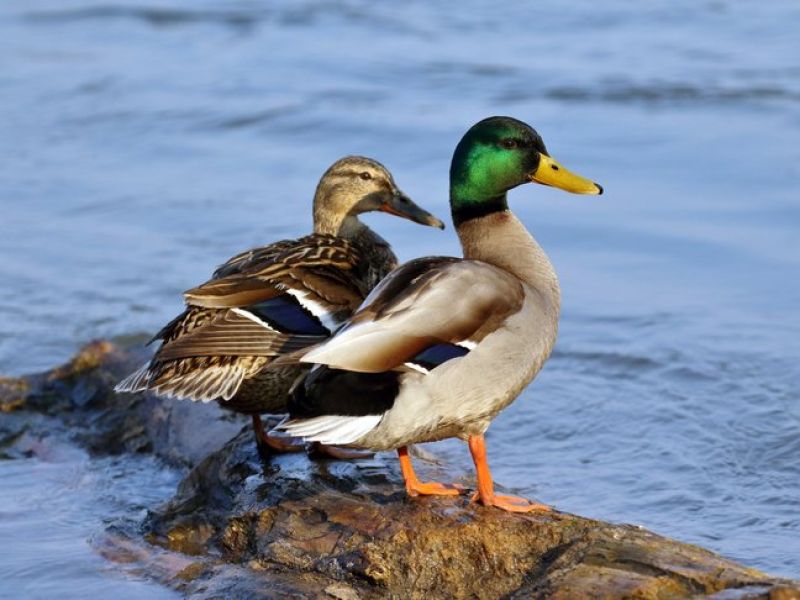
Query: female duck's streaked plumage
{"type": "Point", "coordinates": [277, 299]}
{"type": "Point", "coordinates": [442, 345]}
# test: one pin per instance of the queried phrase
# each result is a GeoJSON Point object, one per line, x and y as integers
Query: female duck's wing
{"type": "Point", "coordinates": [322, 272]}
{"type": "Point", "coordinates": [244, 261]}
{"type": "Point", "coordinates": [263, 303]}
{"type": "Point", "coordinates": [428, 310]}
{"type": "Point", "coordinates": [275, 302]}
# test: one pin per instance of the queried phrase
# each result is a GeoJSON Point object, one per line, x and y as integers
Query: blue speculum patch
{"type": "Point", "coordinates": [432, 357]}
{"type": "Point", "coordinates": [286, 314]}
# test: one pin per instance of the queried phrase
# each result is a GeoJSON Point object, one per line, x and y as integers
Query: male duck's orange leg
{"type": "Point", "coordinates": [485, 493]}
{"type": "Point", "coordinates": [274, 444]}
{"type": "Point", "coordinates": [415, 487]}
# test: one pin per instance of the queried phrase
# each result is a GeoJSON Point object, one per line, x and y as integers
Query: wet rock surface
{"type": "Point", "coordinates": [245, 526]}
{"type": "Point", "coordinates": [79, 398]}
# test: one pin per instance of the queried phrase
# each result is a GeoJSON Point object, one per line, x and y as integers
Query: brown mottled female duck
{"type": "Point", "coordinates": [277, 299]}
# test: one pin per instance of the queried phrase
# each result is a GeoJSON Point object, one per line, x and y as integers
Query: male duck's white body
{"type": "Point", "coordinates": [442, 345]}
{"type": "Point", "coordinates": [461, 396]}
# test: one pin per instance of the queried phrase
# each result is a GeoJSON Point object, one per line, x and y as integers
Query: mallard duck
{"type": "Point", "coordinates": [443, 344]}
{"type": "Point", "coordinates": [279, 298]}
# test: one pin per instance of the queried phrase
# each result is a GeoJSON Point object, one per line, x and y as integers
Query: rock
{"type": "Point", "coordinates": [81, 394]}
{"type": "Point", "coordinates": [243, 527]}
{"type": "Point", "coordinates": [13, 392]}
{"type": "Point", "coordinates": [350, 523]}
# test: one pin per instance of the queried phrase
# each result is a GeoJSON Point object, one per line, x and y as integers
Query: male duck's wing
{"type": "Point", "coordinates": [424, 313]}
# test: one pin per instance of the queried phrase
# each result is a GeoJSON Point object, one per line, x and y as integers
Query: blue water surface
{"type": "Point", "coordinates": [143, 143]}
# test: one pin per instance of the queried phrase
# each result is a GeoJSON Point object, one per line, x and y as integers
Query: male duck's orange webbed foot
{"type": "Point", "coordinates": [317, 450]}
{"type": "Point", "coordinates": [415, 487]}
{"type": "Point", "coordinates": [274, 444]}
{"type": "Point", "coordinates": [511, 503]}
{"type": "Point", "coordinates": [433, 488]}
{"type": "Point", "coordinates": [485, 494]}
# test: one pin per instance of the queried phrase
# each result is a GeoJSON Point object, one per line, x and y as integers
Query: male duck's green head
{"type": "Point", "coordinates": [496, 155]}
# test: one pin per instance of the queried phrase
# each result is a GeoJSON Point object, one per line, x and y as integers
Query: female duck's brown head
{"type": "Point", "coordinates": [355, 185]}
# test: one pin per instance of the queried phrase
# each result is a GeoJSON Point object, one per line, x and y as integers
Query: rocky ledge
{"type": "Point", "coordinates": [240, 526]}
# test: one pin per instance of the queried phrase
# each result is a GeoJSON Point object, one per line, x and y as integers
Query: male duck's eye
{"type": "Point", "coordinates": [365, 176]}
{"type": "Point", "coordinates": [510, 144]}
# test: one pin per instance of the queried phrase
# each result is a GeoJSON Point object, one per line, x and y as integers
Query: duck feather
{"type": "Point", "coordinates": [425, 303]}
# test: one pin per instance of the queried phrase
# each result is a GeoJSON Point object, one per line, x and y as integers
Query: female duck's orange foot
{"type": "Point", "coordinates": [432, 488]}
{"type": "Point", "coordinates": [317, 450]}
{"type": "Point", "coordinates": [511, 503]}
{"type": "Point", "coordinates": [282, 444]}
{"type": "Point", "coordinates": [274, 444]}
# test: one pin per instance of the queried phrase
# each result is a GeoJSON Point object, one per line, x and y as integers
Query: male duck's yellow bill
{"type": "Point", "coordinates": [549, 172]}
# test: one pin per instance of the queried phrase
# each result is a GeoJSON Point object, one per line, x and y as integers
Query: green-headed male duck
{"type": "Point", "coordinates": [443, 344]}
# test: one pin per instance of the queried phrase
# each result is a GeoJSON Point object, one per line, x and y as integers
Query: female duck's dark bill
{"type": "Point", "coordinates": [402, 206]}
{"type": "Point", "coordinates": [550, 172]}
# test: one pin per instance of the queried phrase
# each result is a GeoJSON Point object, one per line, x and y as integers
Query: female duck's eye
{"type": "Point", "coordinates": [365, 176]}
{"type": "Point", "coordinates": [510, 144]}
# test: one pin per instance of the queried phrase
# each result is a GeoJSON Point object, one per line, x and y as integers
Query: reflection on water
{"type": "Point", "coordinates": [144, 145]}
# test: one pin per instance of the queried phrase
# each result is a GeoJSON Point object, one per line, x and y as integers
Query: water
{"type": "Point", "coordinates": [54, 502]}
{"type": "Point", "coordinates": [143, 144]}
